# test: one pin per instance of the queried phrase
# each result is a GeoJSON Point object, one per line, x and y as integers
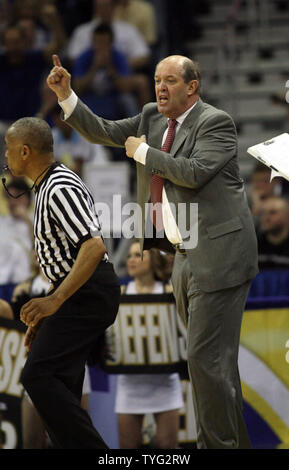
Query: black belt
{"type": "Point", "coordinates": [179, 247]}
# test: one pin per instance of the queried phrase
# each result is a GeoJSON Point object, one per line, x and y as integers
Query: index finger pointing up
{"type": "Point", "coordinates": [56, 60]}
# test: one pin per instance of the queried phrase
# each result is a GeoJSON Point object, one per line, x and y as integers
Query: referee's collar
{"type": "Point", "coordinates": [53, 166]}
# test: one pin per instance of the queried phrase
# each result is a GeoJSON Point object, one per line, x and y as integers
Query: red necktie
{"type": "Point", "coordinates": [157, 182]}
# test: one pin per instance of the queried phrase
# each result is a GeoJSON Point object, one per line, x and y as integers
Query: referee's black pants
{"type": "Point", "coordinates": [54, 370]}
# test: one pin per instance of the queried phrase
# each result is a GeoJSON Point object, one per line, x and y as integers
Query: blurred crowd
{"type": "Point", "coordinates": [110, 47]}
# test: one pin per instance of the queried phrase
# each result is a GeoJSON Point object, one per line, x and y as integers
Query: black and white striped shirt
{"type": "Point", "coordinates": [64, 217]}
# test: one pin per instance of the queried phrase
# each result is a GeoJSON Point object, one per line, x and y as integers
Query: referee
{"type": "Point", "coordinates": [84, 297]}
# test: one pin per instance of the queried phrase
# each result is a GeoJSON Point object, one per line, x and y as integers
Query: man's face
{"type": "Point", "coordinates": [173, 95]}
{"type": "Point", "coordinates": [274, 216]}
{"type": "Point", "coordinates": [14, 153]}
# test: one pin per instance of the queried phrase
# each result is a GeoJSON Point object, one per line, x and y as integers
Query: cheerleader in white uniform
{"type": "Point", "coordinates": [140, 394]}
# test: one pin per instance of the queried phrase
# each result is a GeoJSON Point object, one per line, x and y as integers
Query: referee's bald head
{"type": "Point", "coordinates": [33, 132]}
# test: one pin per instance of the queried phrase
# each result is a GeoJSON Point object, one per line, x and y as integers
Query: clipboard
{"type": "Point", "coordinates": [273, 153]}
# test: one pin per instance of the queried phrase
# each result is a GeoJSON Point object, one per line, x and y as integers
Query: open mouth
{"type": "Point", "coordinates": [163, 99]}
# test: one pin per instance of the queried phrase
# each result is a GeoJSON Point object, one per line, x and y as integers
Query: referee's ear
{"type": "Point", "coordinates": [26, 151]}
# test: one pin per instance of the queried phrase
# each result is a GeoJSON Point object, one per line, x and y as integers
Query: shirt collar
{"type": "Point", "coordinates": [46, 176]}
{"type": "Point", "coordinates": [183, 116]}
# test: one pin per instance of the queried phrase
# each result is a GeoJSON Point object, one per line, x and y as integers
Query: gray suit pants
{"type": "Point", "coordinates": [213, 321]}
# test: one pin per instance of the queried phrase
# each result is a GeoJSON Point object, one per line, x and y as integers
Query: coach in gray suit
{"type": "Point", "coordinates": [215, 264]}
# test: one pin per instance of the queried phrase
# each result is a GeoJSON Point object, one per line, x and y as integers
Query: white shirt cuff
{"type": "Point", "coordinates": [141, 153]}
{"type": "Point", "coordinates": [69, 104]}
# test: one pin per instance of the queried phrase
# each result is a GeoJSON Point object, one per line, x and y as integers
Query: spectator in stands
{"type": "Point", "coordinates": [16, 236]}
{"type": "Point", "coordinates": [34, 37]}
{"type": "Point", "coordinates": [5, 13]}
{"type": "Point", "coordinates": [261, 188]}
{"type": "Point", "coordinates": [40, 21]}
{"type": "Point", "coordinates": [140, 14]}
{"type": "Point", "coordinates": [39, 28]}
{"type": "Point", "coordinates": [140, 394]}
{"type": "Point", "coordinates": [72, 149]}
{"type": "Point", "coordinates": [126, 37]}
{"type": "Point", "coordinates": [101, 76]}
{"type": "Point", "coordinates": [273, 241]}
{"type": "Point", "coordinates": [79, 12]}
{"type": "Point", "coordinates": [22, 71]}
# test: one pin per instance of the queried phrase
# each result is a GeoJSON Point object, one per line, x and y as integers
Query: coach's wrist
{"type": "Point", "coordinates": [63, 96]}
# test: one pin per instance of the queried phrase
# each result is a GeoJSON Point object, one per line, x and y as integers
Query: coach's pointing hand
{"type": "Point", "coordinates": [59, 80]}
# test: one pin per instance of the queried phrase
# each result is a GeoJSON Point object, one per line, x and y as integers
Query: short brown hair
{"type": "Point", "coordinates": [191, 71]}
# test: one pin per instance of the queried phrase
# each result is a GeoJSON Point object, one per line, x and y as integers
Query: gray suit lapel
{"type": "Point", "coordinates": [157, 128]}
{"type": "Point", "coordinates": [185, 128]}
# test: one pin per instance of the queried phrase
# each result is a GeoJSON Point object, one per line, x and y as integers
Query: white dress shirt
{"type": "Point", "coordinates": [171, 229]}
{"type": "Point", "coordinates": [170, 226]}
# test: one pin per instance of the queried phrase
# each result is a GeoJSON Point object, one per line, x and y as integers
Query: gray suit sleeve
{"type": "Point", "coordinates": [215, 145]}
{"type": "Point", "coordinates": [102, 131]}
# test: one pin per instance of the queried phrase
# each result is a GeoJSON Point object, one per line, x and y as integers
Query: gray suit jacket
{"type": "Point", "coordinates": [201, 168]}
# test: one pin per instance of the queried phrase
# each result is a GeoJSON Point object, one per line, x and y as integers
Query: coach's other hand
{"type": "Point", "coordinates": [132, 144]}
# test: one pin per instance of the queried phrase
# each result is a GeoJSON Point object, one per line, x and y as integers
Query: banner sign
{"type": "Point", "coordinates": [12, 359]}
{"type": "Point", "coordinates": [147, 337]}
{"type": "Point", "coordinates": [264, 372]}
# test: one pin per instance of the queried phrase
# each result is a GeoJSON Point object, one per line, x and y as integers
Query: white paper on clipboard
{"type": "Point", "coordinates": [273, 153]}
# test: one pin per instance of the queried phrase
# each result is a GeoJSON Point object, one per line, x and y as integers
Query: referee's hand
{"type": "Point", "coordinates": [36, 309]}
{"type": "Point", "coordinates": [30, 335]}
